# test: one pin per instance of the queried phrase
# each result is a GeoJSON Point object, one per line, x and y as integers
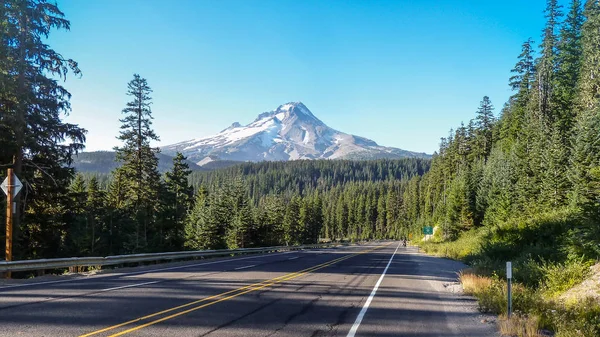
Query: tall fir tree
{"type": "Point", "coordinates": [200, 232]}
{"type": "Point", "coordinates": [241, 230]}
{"type": "Point", "coordinates": [139, 164]}
{"type": "Point", "coordinates": [547, 63]}
{"type": "Point", "coordinates": [178, 200]}
{"type": "Point", "coordinates": [513, 118]}
{"type": "Point", "coordinates": [555, 161]}
{"type": "Point", "coordinates": [34, 139]}
{"type": "Point", "coordinates": [96, 207]}
{"type": "Point", "coordinates": [569, 57]}
{"type": "Point", "coordinates": [589, 80]}
{"type": "Point", "coordinates": [585, 159]}
{"type": "Point", "coordinates": [484, 122]}
{"type": "Point", "coordinates": [291, 221]}
{"type": "Point", "coordinates": [77, 239]}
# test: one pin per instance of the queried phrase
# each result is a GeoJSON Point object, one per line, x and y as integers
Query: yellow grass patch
{"type": "Point", "coordinates": [473, 284]}
{"type": "Point", "coordinates": [519, 326]}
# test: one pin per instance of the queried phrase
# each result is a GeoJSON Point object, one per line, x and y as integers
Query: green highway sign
{"type": "Point", "coordinates": [428, 230]}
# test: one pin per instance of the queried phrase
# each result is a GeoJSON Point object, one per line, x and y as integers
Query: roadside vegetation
{"type": "Point", "coordinates": [549, 258]}
{"type": "Point", "coordinates": [527, 189]}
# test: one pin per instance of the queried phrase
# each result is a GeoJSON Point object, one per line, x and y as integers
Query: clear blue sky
{"type": "Point", "coordinates": [399, 72]}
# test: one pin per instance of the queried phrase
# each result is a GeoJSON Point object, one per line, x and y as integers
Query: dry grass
{"type": "Point", "coordinates": [473, 284]}
{"type": "Point", "coordinates": [519, 326]}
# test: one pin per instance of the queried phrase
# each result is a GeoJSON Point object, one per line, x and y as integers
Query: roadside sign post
{"type": "Point", "coordinates": [11, 187]}
{"type": "Point", "coordinates": [509, 279]}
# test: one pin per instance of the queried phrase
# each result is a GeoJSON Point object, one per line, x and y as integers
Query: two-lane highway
{"type": "Point", "coordinates": [379, 289]}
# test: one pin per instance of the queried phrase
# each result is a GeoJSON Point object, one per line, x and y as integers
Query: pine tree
{"type": "Point", "coordinates": [495, 193]}
{"type": "Point", "coordinates": [78, 241]}
{"type": "Point", "coordinates": [381, 222]}
{"type": "Point", "coordinates": [524, 70]}
{"type": "Point", "coordinates": [547, 63]}
{"type": "Point", "coordinates": [95, 207]}
{"type": "Point", "coordinates": [34, 140]}
{"type": "Point", "coordinates": [200, 232]}
{"type": "Point", "coordinates": [221, 214]}
{"type": "Point", "coordinates": [316, 219]}
{"type": "Point", "coordinates": [585, 159]}
{"type": "Point", "coordinates": [555, 161]}
{"type": "Point", "coordinates": [120, 224]}
{"type": "Point", "coordinates": [392, 208]}
{"type": "Point", "coordinates": [341, 217]}
{"type": "Point", "coordinates": [240, 233]}
{"type": "Point", "coordinates": [513, 117]}
{"type": "Point", "coordinates": [178, 200]}
{"type": "Point", "coordinates": [589, 80]}
{"type": "Point", "coordinates": [361, 218]}
{"type": "Point", "coordinates": [139, 162]}
{"type": "Point", "coordinates": [484, 122]}
{"type": "Point", "coordinates": [569, 57]}
{"type": "Point", "coordinates": [305, 220]}
{"type": "Point", "coordinates": [291, 221]}
{"type": "Point", "coordinates": [270, 221]}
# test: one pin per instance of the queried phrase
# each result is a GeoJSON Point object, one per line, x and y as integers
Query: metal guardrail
{"type": "Point", "coordinates": [43, 264]}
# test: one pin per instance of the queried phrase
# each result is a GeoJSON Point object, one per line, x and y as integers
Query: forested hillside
{"type": "Point", "coordinates": [525, 186]}
{"type": "Point", "coordinates": [304, 176]}
{"type": "Point", "coordinates": [542, 154]}
{"type": "Point", "coordinates": [103, 162]}
{"type": "Point", "coordinates": [268, 203]}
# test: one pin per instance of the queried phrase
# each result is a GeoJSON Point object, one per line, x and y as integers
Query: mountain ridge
{"type": "Point", "coordinates": [105, 162]}
{"type": "Point", "coordinates": [289, 132]}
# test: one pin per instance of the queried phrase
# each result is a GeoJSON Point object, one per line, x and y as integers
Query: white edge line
{"type": "Point", "coordinates": [140, 272]}
{"type": "Point", "coordinates": [365, 307]}
{"type": "Point", "coordinates": [244, 267]}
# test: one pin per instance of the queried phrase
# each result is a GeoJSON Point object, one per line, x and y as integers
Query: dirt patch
{"type": "Point", "coordinates": [588, 288]}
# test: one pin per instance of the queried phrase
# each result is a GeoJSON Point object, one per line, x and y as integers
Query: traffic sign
{"type": "Point", "coordinates": [428, 230]}
{"type": "Point", "coordinates": [16, 187]}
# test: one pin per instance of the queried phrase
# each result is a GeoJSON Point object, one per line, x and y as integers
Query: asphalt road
{"type": "Point", "coordinates": [378, 289]}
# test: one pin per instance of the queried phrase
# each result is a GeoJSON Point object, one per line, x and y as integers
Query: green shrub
{"type": "Point", "coordinates": [579, 320]}
{"type": "Point", "coordinates": [559, 277]}
{"type": "Point", "coordinates": [493, 298]}
{"type": "Point", "coordinates": [547, 251]}
{"type": "Point", "coordinates": [466, 245]}
{"type": "Point", "coordinates": [528, 270]}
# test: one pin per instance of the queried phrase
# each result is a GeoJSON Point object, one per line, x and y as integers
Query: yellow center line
{"type": "Point", "coordinates": [219, 297]}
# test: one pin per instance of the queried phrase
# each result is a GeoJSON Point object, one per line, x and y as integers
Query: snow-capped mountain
{"type": "Point", "coordinates": [289, 132]}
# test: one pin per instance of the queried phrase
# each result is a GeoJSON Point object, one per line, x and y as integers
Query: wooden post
{"type": "Point", "coordinates": [9, 218]}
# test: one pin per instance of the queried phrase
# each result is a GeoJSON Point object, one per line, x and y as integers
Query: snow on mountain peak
{"type": "Point", "coordinates": [232, 126]}
{"type": "Point", "coordinates": [289, 132]}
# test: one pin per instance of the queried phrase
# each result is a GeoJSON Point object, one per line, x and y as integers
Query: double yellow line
{"type": "Point", "coordinates": [218, 298]}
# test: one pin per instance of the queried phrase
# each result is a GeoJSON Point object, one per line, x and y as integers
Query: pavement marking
{"type": "Point", "coordinates": [244, 267]}
{"type": "Point", "coordinates": [99, 277]}
{"type": "Point", "coordinates": [219, 297]}
{"type": "Point", "coordinates": [128, 286]}
{"type": "Point", "coordinates": [365, 307]}
{"type": "Point", "coordinates": [293, 258]}
{"type": "Point", "coordinates": [187, 305]}
{"type": "Point", "coordinates": [48, 299]}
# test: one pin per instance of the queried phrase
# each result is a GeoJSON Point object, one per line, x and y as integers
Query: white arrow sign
{"type": "Point", "coordinates": [16, 187]}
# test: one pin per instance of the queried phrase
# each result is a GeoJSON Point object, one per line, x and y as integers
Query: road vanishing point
{"type": "Point", "coordinates": [374, 289]}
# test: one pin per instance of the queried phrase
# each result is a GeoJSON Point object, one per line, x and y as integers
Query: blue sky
{"type": "Point", "coordinates": [399, 72]}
